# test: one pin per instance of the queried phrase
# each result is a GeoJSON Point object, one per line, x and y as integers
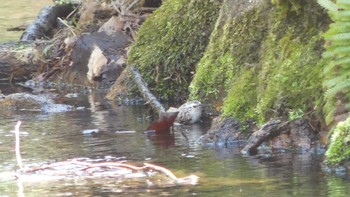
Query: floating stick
{"type": "Point", "coordinates": [18, 152]}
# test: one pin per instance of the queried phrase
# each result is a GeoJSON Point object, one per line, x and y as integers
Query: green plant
{"type": "Point", "coordinates": [337, 72]}
{"type": "Point", "coordinates": [296, 114]}
{"type": "Point", "coordinates": [339, 147]}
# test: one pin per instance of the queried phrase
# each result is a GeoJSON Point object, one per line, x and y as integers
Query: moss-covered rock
{"type": "Point", "coordinates": [264, 61]}
{"type": "Point", "coordinates": [171, 42]}
{"type": "Point", "coordinates": [339, 148]}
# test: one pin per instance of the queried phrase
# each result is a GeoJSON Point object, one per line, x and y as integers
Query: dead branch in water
{"type": "Point", "coordinates": [142, 86]}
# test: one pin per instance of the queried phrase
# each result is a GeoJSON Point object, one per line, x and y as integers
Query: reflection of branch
{"type": "Point", "coordinates": [163, 170]}
{"type": "Point", "coordinates": [20, 187]}
{"type": "Point", "coordinates": [18, 152]}
{"type": "Point", "coordinates": [188, 180]}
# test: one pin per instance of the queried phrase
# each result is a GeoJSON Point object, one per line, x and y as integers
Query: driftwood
{"type": "Point", "coordinates": [267, 131]}
{"type": "Point", "coordinates": [142, 86]}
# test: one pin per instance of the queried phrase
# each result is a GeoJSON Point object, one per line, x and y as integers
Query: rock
{"type": "Point", "coordinates": [223, 133]}
{"type": "Point", "coordinates": [302, 135]}
{"type": "Point", "coordinates": [190, 112]}
{"type": "Point", "coordinates": [110, 50]}
{"type": "Point", "coordinates": [30, 102]}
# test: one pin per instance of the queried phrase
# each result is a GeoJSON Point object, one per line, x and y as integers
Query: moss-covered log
{"type": "Point", "coordinates": [171, 42]}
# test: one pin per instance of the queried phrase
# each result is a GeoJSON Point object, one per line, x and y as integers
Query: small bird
{"type": "Point", "coordinates": [190, 112]}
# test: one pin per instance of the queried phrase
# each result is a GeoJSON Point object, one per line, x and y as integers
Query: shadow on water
{"type": "Point", "coordinates": [95, 133]}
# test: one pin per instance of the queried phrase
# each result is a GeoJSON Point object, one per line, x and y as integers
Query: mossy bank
{"type": "Point", "coordinates": [251, 60]}
{"type": "Point", "coordinates": [171, 42]}
{"type": "Point", "coordinates": [269, 64]}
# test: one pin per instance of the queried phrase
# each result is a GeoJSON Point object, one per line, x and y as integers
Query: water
{"type": "Point", "coordinates": [48, 138]}
{"type": "Point", "coordinates": [16, 13]}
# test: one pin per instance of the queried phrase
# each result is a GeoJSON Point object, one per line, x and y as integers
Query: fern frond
{"type": "Point", "coordinates": [337, 88]}
{"type": "Point", "coordinates": [336, 80]}
{"type": "Point", "coordinates": [341, 43]}
{"type": "Point", "coordinates": [329, 106]}
{"type": "Point", "coordinates": [340, 51]}
{"type": "Point", "coordinates": [330, 117]}
{"type": "Point", "coordinates": [344, 62]}
{"type": "Point", "coordinates": [343, 15]}
{"type": "Point", "coordinates": [329, 110]}
{"type": "Point", "coordinates": [338, 37]}
{"type": "Point", "coordinates": [338, 27]}
{"type": "Point", "coordinates": [343, 4]}
{"type": "Point", "coordinates": [327, 4]}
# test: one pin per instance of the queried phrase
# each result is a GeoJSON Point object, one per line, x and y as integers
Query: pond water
{"type": "Point", "coordinates": [16, 13]}
{"type": "Point", "coordinates": [48, 138]}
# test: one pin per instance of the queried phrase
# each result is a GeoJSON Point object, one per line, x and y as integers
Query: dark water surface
{"type": "Point", "coordinates": [48, 138]}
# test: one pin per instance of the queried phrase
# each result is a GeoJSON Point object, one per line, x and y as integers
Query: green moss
{"type": "Point", "coordinates": [339, 148]}
{"type": "Point", "coordinates": [171, 42]}
{"type": "Point", "coordinates": [233, 46]}
{"type": "Point", "coordinates": [265, 63]}
{"type": "Point", "coordinates": [242, 105]}
{"type": "Point", "coordinates": [290, 76]}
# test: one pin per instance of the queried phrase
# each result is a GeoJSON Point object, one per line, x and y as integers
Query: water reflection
{"type": "Point", "coordinates": [223, 172]}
